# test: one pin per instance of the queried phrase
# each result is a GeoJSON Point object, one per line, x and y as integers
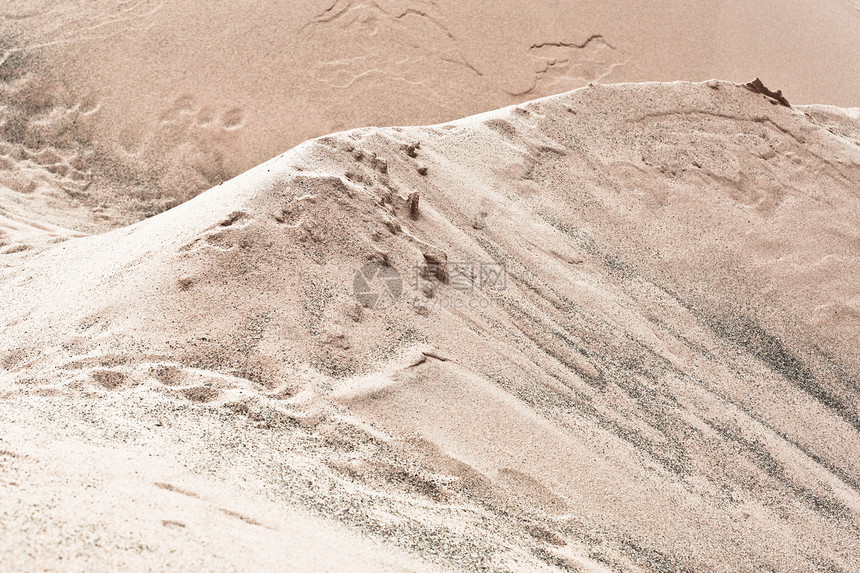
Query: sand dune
{"type": "Point", "coordinates": [174, 97]}
{"type": "Point", "coordinates": [614, 329]}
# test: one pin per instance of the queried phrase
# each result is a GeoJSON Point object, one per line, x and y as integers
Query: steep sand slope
{"type": "Point", "coordinates": [666, 380]}
{"type": "Point", "coordinates": [180, 95]}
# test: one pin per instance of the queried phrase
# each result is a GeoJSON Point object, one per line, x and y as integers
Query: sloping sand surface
{"type": "Point", "coordinates": [614, 330]}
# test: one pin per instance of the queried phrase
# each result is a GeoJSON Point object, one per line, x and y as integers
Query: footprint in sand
{"type": "Point", "coordinates": [201, 394]}
{"type": "Point", "coordinates": [109, 379]}
{"type": "Point", "coordinates": [233, 120]}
